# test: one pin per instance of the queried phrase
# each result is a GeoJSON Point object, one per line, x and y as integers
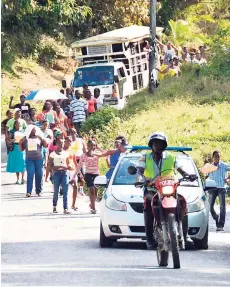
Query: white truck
{"type": "Point", "coordinates": [116, 62]}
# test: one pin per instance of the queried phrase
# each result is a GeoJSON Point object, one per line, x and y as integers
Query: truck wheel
{"type": "Point", "coordinates": [202, 243]}
{"type": "Point", "coordinates": [174, 240]}
{"type": "Point", "coordinates": [105, 241]}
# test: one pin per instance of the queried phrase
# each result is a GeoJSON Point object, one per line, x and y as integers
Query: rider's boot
{"type": "Point", "coordinates": [187, 239]}
{"type": "Point", "coordinates": [150, 242]}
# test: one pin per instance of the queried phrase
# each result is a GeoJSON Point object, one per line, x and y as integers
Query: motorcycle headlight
{"type": "Point", "coordinates": [197, 205]}
{"type": "Point", "coordinates": [167, 190]}
{"type": "Point", "coordinates": [114, 204]}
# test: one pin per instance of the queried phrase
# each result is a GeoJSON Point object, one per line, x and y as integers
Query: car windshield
{"type": "Point", "coordinates": [189, 167]}
{"type": "Point", "coordinates": [94, 76]}
{"type": "Point", "coordinates": [122, 176]}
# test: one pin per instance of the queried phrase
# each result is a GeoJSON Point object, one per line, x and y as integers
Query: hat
{"type": "Point", "coordinates": [57, 133]}
{"type": "Point", "coordinates": [16, 110]}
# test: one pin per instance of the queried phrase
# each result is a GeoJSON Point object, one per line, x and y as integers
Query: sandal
{"type": "Point", "coordinates": [74, 208]}
{"type": "Point", "coordinates": [28, 194]}
{"type": "Point", "coordinates": [93, 211]}
{"type": "Point", "coordinates": [23, 181]}
{"type": "Point", "coordinates": [17, 182]}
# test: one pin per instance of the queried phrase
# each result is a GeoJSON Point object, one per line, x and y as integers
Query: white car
{"type": "Point", "coordinates": [121, 210]}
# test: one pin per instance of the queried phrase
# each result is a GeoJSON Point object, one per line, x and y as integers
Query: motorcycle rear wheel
{"type": "Point", "coordinates": [174, 240]}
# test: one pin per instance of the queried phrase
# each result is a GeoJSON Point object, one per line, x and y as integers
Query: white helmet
{"type": "Point", "coordinates": [158, 136]}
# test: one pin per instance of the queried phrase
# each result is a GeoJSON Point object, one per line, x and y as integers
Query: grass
{"type": "Point", "coordinates": [192, 112]}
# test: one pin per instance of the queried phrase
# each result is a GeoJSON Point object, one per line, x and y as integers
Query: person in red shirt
{"type": "Point", "coordinates": [91, 101]}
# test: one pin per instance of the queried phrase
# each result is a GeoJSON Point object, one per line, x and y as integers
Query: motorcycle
{"type": "Point", "coordinates": [168, 208]}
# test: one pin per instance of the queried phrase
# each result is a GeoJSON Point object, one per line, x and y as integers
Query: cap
{"type": "Point", "coordinates": [16, 110]}
{"type": "Point", "coordinates": [57, 133]}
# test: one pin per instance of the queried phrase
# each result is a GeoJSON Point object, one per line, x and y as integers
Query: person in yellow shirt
{"type": "Point", "coordinates": [170, 70]}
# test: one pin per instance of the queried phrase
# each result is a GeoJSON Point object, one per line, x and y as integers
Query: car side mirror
{"type": "Point", "coordinates": [116, 79]}
{"type": "Point", "coordinates": [132, 170]}
{"type": "Point", "coordinates": [101, 181]}
{"type": "Point", "coordinates": [64, 84]}
{"type": "Point", "coordinates": [209, 184]}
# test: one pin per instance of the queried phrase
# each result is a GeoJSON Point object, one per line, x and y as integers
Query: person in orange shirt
{"type": "Point", "coordinates": [91, 101]}
{"type": "Point", "coordinates": [49, 114]}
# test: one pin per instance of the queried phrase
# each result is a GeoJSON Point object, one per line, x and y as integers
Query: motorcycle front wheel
{"type": "Point", "coordinates": [162, 255]}
{"type": "Point", "coordinates": [174, 240]}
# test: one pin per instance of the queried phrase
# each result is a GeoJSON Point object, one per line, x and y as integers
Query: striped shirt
{"type": "Point", "coordinates": [79, 108]}
{"type": "Point", "coordinates": [220, 174]}
{"type": "Point", "coordinates": [91, 164]}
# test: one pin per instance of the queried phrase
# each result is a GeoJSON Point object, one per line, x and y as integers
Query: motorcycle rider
{"type": "Point", "coordinates": [151, 165]}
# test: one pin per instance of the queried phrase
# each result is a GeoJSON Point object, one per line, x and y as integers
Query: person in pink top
{"type": "Point", "coordinates": [91, 163]}
{"type": "Point", "coordinates": [91, 101]}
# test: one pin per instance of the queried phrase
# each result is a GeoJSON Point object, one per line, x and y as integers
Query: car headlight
{"type": "Point", "coordinates": [197, 205]}
{"type": "Point", "coordinates": [112, 203]}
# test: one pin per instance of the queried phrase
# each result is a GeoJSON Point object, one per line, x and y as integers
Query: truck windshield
{"type": "Point", "coordinates": [94, 76]}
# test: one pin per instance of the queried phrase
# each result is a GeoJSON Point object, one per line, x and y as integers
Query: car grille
{"type": "Point", "coordinates": [137, 207]}
{"type": "Point", "coordinates": [137, 228]}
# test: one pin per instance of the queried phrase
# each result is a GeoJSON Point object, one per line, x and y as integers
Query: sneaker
{"type": "Point", "coordinates": [66, 211]}
{"type": "Point", "coordinates": [28, 194]}
{"type": "Point", "coordinates": [93, 211]}
{"type": "Point", "coordinates": [55, 209]}
{"type": "Point", "coordinates": [220, 229]}
{"type": "Point", "coordinates": [17, 182]}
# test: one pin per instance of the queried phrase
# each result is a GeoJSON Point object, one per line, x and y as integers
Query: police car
{"type": "Point", "coordinates": [121, 209]}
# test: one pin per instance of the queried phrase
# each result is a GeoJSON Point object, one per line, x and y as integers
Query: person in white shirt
{"type": "Point", "coordinates": [199, 60]}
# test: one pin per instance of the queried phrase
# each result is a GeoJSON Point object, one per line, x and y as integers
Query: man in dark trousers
{"type": "Point", "coordinates": [220, 176]}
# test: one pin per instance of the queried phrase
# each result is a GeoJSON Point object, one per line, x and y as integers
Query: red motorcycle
{"type": "Point", "coordinates": [169, 209]}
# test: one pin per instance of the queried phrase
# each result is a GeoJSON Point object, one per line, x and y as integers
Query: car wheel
{"type": "Point", "coordinates": [202, 243]}
{"type": "Point", "coordinates": [105, 241]}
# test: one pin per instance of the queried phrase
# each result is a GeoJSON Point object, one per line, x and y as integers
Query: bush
{"type": "Point", "coordinates": [99, 120]}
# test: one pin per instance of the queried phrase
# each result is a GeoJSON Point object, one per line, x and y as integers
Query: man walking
{"type": "Point", "coordinates": [79, 111]}
{"type": "Point", "coordinates": [220, 176]}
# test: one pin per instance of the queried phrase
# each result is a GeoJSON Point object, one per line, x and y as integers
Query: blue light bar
{"type": "Point", "coordinates": [172, 148]}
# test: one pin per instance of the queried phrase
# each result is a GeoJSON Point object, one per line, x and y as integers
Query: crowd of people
{"type": "Point", "coordinates": [48, 146]}
{"type": "Point", "coordinates": [171, 58]}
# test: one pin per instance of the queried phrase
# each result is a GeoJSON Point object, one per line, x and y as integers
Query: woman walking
{"type": "Point", "coordinates": [16, 158]}
{"type": "Point", "coordinates": [61, 122]}
{"type": "Point", "coordinates": [49, 114]}
{"type": "Point", "coordinates": [91, 162]}
{"type": "Point", "coordinates": [33, 144]}
{"type": "Point", "coordinates": [59, 165]}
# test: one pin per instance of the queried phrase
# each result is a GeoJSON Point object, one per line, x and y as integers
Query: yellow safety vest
{"type": "Point", "coordinates": [166, 168]}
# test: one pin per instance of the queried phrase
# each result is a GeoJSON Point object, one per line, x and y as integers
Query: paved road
{"type": "Point", "coordinates": [40, 248]}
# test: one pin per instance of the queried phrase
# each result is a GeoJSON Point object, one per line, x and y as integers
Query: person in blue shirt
{"type": "Point", "coordinates": [221, 177]}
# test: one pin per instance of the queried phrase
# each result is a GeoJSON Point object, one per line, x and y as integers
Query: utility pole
{"type": "Point", "coordinates": [152, 60]}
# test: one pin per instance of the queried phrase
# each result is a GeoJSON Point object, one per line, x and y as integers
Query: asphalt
{"type": "Point", "coordinates": [40, 248]}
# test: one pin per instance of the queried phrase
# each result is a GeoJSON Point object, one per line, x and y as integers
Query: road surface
{"type": "Point", "coordinates": [40, 248]}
